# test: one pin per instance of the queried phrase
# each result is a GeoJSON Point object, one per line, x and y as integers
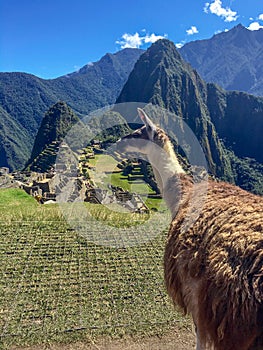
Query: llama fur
{"type": "Point", "coordinates": [213, 268]}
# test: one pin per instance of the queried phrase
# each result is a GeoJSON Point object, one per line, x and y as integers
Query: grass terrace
{"type": "Point", "coordinates": [57, 286]}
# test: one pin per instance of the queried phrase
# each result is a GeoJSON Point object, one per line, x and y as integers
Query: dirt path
{"type": "Point", "coordinates": [181, 339]}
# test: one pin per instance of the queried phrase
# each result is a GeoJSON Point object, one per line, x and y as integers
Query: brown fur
{"type": "Point", "coordinates": [214, 270]}
{"type": "Point", "coordinates": [213, 267]}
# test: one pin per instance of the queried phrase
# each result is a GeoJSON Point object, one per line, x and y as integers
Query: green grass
{"type": "Point", "coordinates": [56, 285]}
{"type": "Point", "coordinates": [16, 206]}
{"type": "Point", "coordinates": [115, 177]}
{"type": "Point", "coordinates": [14, 196]}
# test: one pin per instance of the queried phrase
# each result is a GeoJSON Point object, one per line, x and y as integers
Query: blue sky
{"type": "Point", "coordinates": [50, 38]}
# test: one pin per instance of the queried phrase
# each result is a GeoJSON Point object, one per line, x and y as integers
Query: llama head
{"type": "Point", "coordinates": [142, 139]}
{"type": "Point", "coordinates": [154, 146]}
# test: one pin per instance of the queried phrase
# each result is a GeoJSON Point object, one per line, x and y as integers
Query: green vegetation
{"type": "Point", "coordinates": [13, 197]}
{"type": "Point", "coordinates": [54, 127]}
{"type": "Point", "coordinates": [16, 206]}
{"type": "Point", "coordinates": [132, 180]}
{"type": "Point", "coordinates": [25, 98]}
{"type": "Point", "coordinates": [58, 286]}
{"type": "Point", "coordinates": [238, 119]}
{"type": "Point", "coordinates": [248, 173]}
{"type": "Point", "coordinates": [221, 120]}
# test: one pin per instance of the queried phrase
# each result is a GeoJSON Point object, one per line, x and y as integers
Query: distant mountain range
{"type": "Point", "coordinates": [25, 98]}
{"type": "Point", "coordinates": [228, 125]}
{"type": "Point", "coordinates": [232, 59]}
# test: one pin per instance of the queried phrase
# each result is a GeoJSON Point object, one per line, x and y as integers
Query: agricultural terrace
{"type": "Point", "coordinates": [100, 170]}
{"type": "Point", "coordinates": [58, 287]}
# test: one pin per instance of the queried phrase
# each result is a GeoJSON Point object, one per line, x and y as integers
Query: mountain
{"type": "Point", "coordinates": [96, 84]}
{"type": "Point", "coordinates": [24, 98]}
{"type": "Point", "coordinates": [232, 59]}
{"type": "Point", "coordinates": [238, 118]}
{"type": "Point", "coordinates": [13, 140]}
{"type": "Point", "coordinates": [54, 127]}
{"type": "Point", "coordinates": [228, 125]}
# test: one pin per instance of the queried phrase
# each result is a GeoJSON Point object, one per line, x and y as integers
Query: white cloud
{"type": "Point", "coordinates": [260, 17]}
{"type": "Point", "coordinates": [152, 38]}
{"type": "Point", "coordinates": [206, 8]}
{"type": "Point", "coordinates": [221, 31]}
{"type": "Point", "coordinates": [135, 40]}
{"type": "Point", "coordinates": [192, 30]}
{"type": "Point", "coordinates": [217, 31]}
{"type": "Point", "coordinates": [217, 9]}
{"type": "Point", "coordinates": [179, 45]}
{"type": "Point", "coordinates": [254, 26]}
{"type": "Point", "coordinates": [130, 41]}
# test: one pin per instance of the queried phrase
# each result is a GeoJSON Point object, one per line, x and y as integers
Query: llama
{"type": "Point", "coordinates": [213, 269]}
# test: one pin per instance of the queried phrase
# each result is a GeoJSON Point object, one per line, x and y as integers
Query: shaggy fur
{"type": "Point", "coordinates": [213, 268]}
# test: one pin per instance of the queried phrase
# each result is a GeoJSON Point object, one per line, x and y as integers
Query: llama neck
{"type": "Point", "coordinates": [167, 172]}
{"type": "Point", "coordinates": [164, 169]}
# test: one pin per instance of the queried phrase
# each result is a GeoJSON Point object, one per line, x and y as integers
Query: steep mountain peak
{"type": "Point", "coordinates": [59, 106]}
{"type": "Point", "coordinates": [163, 44]}
{"type": "Point", "coordinates": [163, 49]}
{"type": "Point", "coordinates": [61, 117]}
{"type": "Point", "coordinates": [56, 123]}
{"type": "Point", "coordinates": [237, 36]}
{"type": "Point", "coordinates": [161, 77]}
{"type": "Point", "coordinates": [238, 28]}
{"type": "Point", "coordinates": [241, 37]}
{"type": "Point", "coordinates": [232, 59]}
{"type": "Point", "coordinates": [160, 74]}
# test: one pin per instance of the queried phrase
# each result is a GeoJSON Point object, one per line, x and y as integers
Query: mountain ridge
{"type": "Point", "coordinates": [163, 78]}
{"type": "Point", "coordinates": [25, 98]}
{"type": "Point", "coordinates": [232, 59]}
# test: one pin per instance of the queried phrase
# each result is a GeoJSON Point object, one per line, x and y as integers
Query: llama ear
{"type": "Point", "coordinates": [150, 126]}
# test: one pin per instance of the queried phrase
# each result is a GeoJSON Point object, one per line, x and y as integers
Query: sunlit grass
{"type": "Point", "coordinates": [58, 285]}
{"type": "Point", "coordinates": [16, 205]}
